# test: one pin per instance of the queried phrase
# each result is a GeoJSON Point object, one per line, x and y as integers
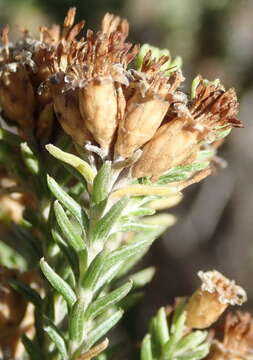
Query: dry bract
{"type": "Point", "coordinates": [213, 297]}
{"type": "Point", "coordinates": [237, 338]}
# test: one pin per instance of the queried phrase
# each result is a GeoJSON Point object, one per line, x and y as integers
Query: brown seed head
{"type": "Point", "coordinates": [213, 297]}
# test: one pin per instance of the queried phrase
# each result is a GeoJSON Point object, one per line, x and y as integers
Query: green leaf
{"type": "Point", "coordinates": [105, 226]}
{"type": "Point", "coordinates": [142, 277]}
{"type": "Point", "coordinates": [162, 327]}
{"type": "Point", "coordinates": [146, 348]}
{"type": "Point", "coordinates": [104, 302]}
{"type": "Point", "coordinates": [58, 283]}
{"type": "Point", "coordinates": [77, 320]}
{"type": "Point", "coordinates": [29, 158]}
{"type": "Point", "coordinates": [191, 341]}
{"type": "Point", "coordinates": [101, 183]}
{"type": "Point", "coordinates": [177, 333]}
{"type": "Point", "coordinates": [80, 165]}
{"type": "Point", "coordinates": [102, 328]}
{"type": "Point", "coordinates": [56, 338]}
{"type": "Point", "coordinates": [131, 300]}
{"type": "Point", "coordinates": [107, 275]}
{"type": "Point", "coordinates": [68, 251]}
{"type": "Point", "coordinates": [142, 211]}
{"type": "Point", "coordinates": [67, 228]}
{"type": "Point", "coordinates": [195, 84]}
{"type": "Point", "coordinates": [68, 202]}
{"type": "Point", "coordinates": [182, 172]}
{"type": "Point", "coordinates": [25, 290]}
{"type": "Point", "coordinates": [127, 251]}
{"type": "Point", "coordinates": [136, 227]}
{"type": "Point", "coordinates": [94, 271]}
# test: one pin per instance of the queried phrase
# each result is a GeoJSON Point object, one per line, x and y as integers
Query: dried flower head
{"type": "Point", "coordinates": [213, 297]}
{"type": "Point", "coordinates": [25, 66]}
{"type": "Point", "coordinates": [148, 98]}
{"type": "Point", "coordinates": [237, 338]}
{"type": "Point", "coordinates": [178, 140]}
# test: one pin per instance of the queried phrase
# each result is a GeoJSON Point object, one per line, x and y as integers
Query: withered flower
{"type": "Point", "coordinates": [237, 338]}
{"type": "Point", "coordinates": [149, 96]}
{"type": "Point", "coordinates": [95, 72]}
{"type": "Point", "coordinates": [208, 302]}
{"type": "Point", "coordinates": [24, 66]}
{"type": "Point", "coordinates": [105, 59]}
{"type": "Point", "coordinates": [178, 140]}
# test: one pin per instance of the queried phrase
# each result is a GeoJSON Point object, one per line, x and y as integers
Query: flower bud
{"type": "Point", "coordinates": [172, 144]}
{"type": "Point", "coordinates": [17, 95]}
{"type": "Point", "coordinates": [208, 302]}
{"type": "Point", "coordinates": [98, 107]}
{"type": "Point", "coordinates": [237, 338]}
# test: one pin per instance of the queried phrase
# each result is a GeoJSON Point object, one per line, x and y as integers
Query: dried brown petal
{"type": "Point", "coordinates": [237, 342]}
{"type": "Point", "coordinates": [214, 107]}
{"type": "Point", "coordinates": [213, 297]}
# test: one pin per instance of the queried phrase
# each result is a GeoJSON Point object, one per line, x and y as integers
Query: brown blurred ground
{"type": "Point", "coordinates": [215, 220]}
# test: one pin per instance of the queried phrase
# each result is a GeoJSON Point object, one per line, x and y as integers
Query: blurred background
{"type": "Point", "coordinates": [215, 220]}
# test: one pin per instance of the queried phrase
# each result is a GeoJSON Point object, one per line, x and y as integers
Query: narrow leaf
{"type": "Point", "coordinates": [162, 327]}
{"type": "Point", "coordinates": [101, 329]}
{"type": "Point", "coordinates": [101, 183]}
{"type": "Point", "coordinates": [94, 271]}
{"type": "Point", "coordinates": [29, 158]}
{"type": "Point", "coordinates": [127, 251]}
{"type": "Point", "coordinates": [67, 228]}
{"type": "Point", "coordinates": [57, 339]}
{"type": "Point", "coordinates": [105, 225]}
{"type": "Point", "coordinates": [146, 348]}
{"type": "Point", "coordinates": [80, 165]}
{"type": "Point", "coordinates": [58, 283]}
{"type": "Point", "coordinates": [104, 302]}
{"type": "Point", "coordinates": [142, 277]}
{"type": "Point", "coordinates": [77, 320]}
{"type": "Point", "coordinates": [68, 202]}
